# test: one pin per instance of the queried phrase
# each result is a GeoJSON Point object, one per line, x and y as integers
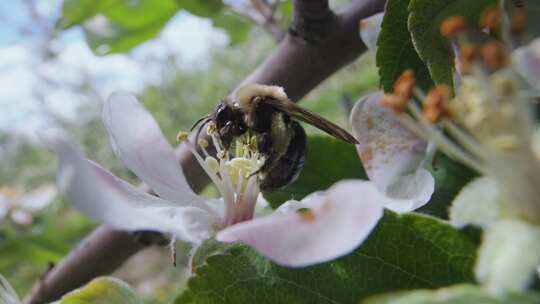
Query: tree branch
{"type": "Point", "coordinates": [296, 65]}
{"type": "Point", "coordinates": [268, 21]}
{"type": "Point", "coordinates": [311, 19]}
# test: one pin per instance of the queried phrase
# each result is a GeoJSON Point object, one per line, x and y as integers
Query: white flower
{"type": "Point", "coordinates": [20, 207]}
{"type": "Point", "coordinates": [321, 227]}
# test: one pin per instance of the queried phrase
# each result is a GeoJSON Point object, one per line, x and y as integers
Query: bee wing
{"type": "Point", "coordinates": [313, 119]}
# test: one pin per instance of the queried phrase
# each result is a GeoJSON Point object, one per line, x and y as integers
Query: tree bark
{"type": "Point", "coordinates": [309, 54]}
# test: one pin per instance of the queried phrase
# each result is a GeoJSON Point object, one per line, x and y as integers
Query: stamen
{"type": "Point", "coordinates": [494, 55]}
{"type": "Point", "coordinates": [467, 54]}
{"type": "Point", "coordinates": [466, 140]}
{"type": "Point", "coordinates": [491, 18]}
{"type": "Point", "coordinates": [404, 85]}
{"type": "Point", "coordinates": [435, 104]}
{"type": "Point", "coordinates": [518, 22]}
{"type": "Point", "coordinates": [181, 136]}
{"type": "Point", "coordinates": [203, 143]}
{"type": "Point", "coordinates": [444, 143]}
{"type": "Point", "coordinates": [215, 179]}
{"type": "Point", "coordinates": [452, 25]}
{"type": "Point", "coordinates": [306, 214]}
{"type": "Point", "coordinates": [212, 163]}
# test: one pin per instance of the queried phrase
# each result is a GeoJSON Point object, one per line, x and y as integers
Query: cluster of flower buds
{"type": "Point", "coordinates": [488, 124]}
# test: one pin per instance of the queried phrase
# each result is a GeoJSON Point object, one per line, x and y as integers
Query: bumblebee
{"type": "Point", "coordinates": [267, 112]}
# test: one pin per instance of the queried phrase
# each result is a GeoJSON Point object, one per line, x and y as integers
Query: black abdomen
{"type": "Point", "coordinates": [287, 168]}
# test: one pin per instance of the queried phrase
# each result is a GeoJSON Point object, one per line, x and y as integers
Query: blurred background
{"type": "Point", "coordinates": [60, 59]}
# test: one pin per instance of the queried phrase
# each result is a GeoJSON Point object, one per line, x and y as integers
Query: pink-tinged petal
{"type": "Point", "coordinates": [370, 28]}
{"type": "Point", "coordinates": [388, 150]}
{"type": "Point", "coordinates": [107, 199]}
{"type": "Point", "coordinates": [139, 142]}
{"type": "Point", "coordinates": [527, 60]}
{"type": "Point", "coordinates": [335, 224]}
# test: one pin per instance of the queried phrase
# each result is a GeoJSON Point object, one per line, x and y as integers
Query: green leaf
{"type": "Point", "coordinates": [103, 290]}
{"type": "Point", "coordinates": [236, 27]}
{"type": "Point", "coordinates": [395, 51]}
{"type": "Point", "coordinates": [207, 8]}
{"type": "Point", "coordinates": [112, 26]}
{"type": "Point", "coordinates": [450, 177]}
{"type": "Point", "coordinates": [425, 20]}
{"type": "Point", "coordinates": [461, 294]}
{"type": "Point", "coordinates": [111, 38]}
{"type": "Point", "coordinates": [77, 11]}
{"type": "Point", "coordinates": [328, 161]}
{"type": "Point", "coordinates": [407, 251]}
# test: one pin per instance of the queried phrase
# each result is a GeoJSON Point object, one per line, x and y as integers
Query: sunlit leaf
{"type": "Point", "coordinates": [207, 8]}
{"type": "Point", "coordinates": [103, 290]}
{"type": "Point", "coordinates": [461, 294]}
{"type": "Point", "coordinates": [395, 52]}
{"type": "Point", "coordinates": [77, 11]}
{"type": "Point", "coordinates": [236, 27]}
{"type": "Point", "coordinates": [408, 251]}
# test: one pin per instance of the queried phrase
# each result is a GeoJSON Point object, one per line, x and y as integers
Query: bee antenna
{"type": "Point", "coordinates": [199, 121]}
{"type": "Point", "coordinates": [203, 122]}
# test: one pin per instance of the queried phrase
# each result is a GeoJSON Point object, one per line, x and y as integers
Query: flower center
{"type": "Point", "coordinates": [233, 171]}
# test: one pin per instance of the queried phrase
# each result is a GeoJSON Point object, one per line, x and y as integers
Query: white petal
{"type": "Point", "coordinates": [139, 142]}
{"type": "Point", "coordinates": [38, 198]}
{"type": "Point", "coordinates": [370, 29]}
{"type": "Point", "coordinates": [339, 222]}
{"type": "Point", "coordinates": [527, 60]}
{"type": "Point", "coordinates": [478, 204]}
{"type": "Point", "coordinates": [410, 192]}
{"type": "Point", "coordinates": [105, 198]}
{"type": "Point", "coordinates": [388, 150]}
{"type": "Point", "coordinates": [509, 256]}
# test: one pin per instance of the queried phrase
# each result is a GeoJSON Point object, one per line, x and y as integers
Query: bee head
{"type": "Point", "coordinates": [229, 122]}
{"type": "Point", "coordinates": [243, 96]}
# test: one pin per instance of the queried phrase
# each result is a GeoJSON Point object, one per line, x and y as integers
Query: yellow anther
{"type": "Point", "coordinates": [436, 103]}
{"type": "Point", "coordinates": [491, 18]}
{"type": "Point", "coordinates": [211, 128]}
{"type": "Point", "coordinates": [203, 143]}
{"type": "Point", "coordinates": [518, 22]}
{"type": "Point", "coordinates": [494, 55]}
{"type": "Point", "coordinates": [452, 25]}
{"type": "Point", "coordinates": [212, 163]}
{"type": "Point", "coordinates": [306, 215]}
{"type": "Point", "coordinates": [182, 135]}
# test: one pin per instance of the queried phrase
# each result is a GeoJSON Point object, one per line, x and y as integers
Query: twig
{"type": "Point", "coordinates": [296, 65]}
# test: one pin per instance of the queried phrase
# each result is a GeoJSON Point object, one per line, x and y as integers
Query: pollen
{"type": "Point", "coordinates": [436, 104]}
{"type": "Point", "coordinates": [203, 143]}
{"type": "Point", "coordinates": [306, 215]}
{"type": "Point", "coordinates": [393, 102]}
{"type": "Point", "coordinates": [467, 54]}
{"type": "Point", "coordinates": [452, 25]}
{"type": "Point", "coordinates": [404, 85]}
{"type": "Point", "coordinates": [494, 55]}
{"type": "Point", "coordinates": [182, 135]}
{"type": "Point", "coordinates": [518, 22]}
{"type": "Point", "coordinates": [491, 18]}
{"type": "Point", "coordinates": [212, 163]}
{"type": "Point", "coordinates": [211, 129]}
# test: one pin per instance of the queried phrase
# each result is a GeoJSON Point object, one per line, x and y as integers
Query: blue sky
{"type": "Point", "coordinates": [21, 68]}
